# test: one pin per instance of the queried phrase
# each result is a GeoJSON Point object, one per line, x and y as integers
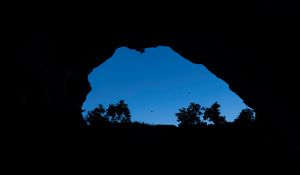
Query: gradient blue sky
{"type": "Point", "coordinates": [156, 84]}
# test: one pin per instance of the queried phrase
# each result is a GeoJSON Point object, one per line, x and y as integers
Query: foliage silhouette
{"type": "Point", "coordinates": [190, 117]}
{"type": "Point", "coordinates": [96, 118]}
{"type": "Point", "coordinates": [213, 114]}
{"type": "Point", "coordinates": [117, 115]}
{"type": "Point", "coordinates": [245, 119]}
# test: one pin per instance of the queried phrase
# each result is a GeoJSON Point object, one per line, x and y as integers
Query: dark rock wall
{"type": "Point", "coordinates": [253, 48]}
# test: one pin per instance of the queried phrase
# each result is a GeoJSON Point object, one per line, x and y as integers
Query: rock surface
{"type": "Point", "coordinates": [253, 48]}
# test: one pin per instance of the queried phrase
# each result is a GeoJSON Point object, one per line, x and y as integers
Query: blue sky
{"type": "Point", "coordinates": [156, 84]}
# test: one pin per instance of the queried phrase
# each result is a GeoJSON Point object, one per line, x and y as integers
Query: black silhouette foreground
{"type": "Point", "coordinates": [201, 131]}
{"type": "Point", "coordinates": [252, 46]}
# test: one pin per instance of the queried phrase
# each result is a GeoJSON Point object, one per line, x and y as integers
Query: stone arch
{"type": "Point", "coordinates": [256, 42]}
{"type": "Point", "coordinates": [60, 66]}
{"type": "Point", "coordinates": [53, 71]}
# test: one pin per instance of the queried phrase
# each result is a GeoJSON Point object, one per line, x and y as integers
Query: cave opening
{"type": "Point", "coordinates": [156, 84]}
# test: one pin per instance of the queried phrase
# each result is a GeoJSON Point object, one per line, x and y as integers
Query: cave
{"type": "Point", "coordinates": [57, 83]}
{"type": "Point", "coordinates": [254, 52]}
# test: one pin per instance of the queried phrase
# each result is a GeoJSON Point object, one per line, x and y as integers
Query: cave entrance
{"type": "Point", "coordinates": [156, 83]}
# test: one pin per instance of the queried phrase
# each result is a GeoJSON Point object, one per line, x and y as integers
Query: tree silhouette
{"type": "Point", "coordinates": [111, 113]}
{"type": "Point", "coordinates": [246, 118]}
{"type": "Point", "coordinates": [213, 114]}
{"type": "Point", "coordinates": [119, 113]}
{"type": "Point", "coordinates": [96, 118]}
{"type": "Point", "coordinates": [114, 116]}
{"type": "Point", "coordinates": [189, 117]}
{"type": "Point", "coordinates": [123, 112]}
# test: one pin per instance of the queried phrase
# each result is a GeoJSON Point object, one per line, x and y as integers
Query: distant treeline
{"type": "Point", "coordinates": [194, 116]}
